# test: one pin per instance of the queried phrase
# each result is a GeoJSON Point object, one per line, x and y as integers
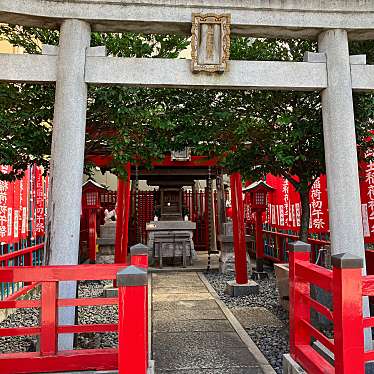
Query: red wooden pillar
{"type": "Point", "coordinates": [125, 217]}
{"type": "Point", "coordinates": [119, 221]}
{"type": "Point", "coordinates": [298, 251]}
{"type": "Point", "coordinates": [259, 243]}
{"type": "Point", "coordinates": [132, 321]}
{"type": "Point", "coordinates": [348, 316]}
{"type": "Point", "coordinates": [238, 229]}
{"type": "Point", "coordinates": [92, 235]}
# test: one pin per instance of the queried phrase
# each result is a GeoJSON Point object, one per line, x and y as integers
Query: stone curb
{"type": "Point", "coordinates": [252, 347]}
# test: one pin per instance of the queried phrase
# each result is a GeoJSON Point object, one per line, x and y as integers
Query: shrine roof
{"type": "Point", "coordinates": [256, 185]}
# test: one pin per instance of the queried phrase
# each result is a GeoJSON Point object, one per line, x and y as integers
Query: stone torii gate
{"type": "Point", "coordinates": [73, 65]}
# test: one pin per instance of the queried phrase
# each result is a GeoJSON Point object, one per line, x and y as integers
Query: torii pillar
{"type": "Point", "coordinates": [67, 156]}
{"type": "Point", "coordinates": [341, 152]}
{"type": "Point", "coordinates": [241, 285]}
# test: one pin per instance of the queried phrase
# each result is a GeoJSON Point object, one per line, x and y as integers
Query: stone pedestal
{"type": "Point", "coordinates": [234, 289]}
{"type": "Point", "coordinates": [167, 238]}
{"type": "Point", "coordinates": [282, 279]}
{"type": "Point", "coordinates": [107, 238]}
{"type": "Point", "coordinates": [227, 258]}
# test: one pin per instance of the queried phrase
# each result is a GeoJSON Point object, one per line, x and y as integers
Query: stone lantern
{"type": "Point", "coordinates": [258, 198]}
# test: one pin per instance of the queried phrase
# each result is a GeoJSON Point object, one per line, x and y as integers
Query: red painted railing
{"type": "Point", "coordinates": [130, 358]}
{"type": "Point", "coordinates": [22, 255]}
{"type": "Point", "coordinates": [27, 256]}
{"type": "Point", "coordinates": [347, 286]}
{"type": "Point", "coordinates": [276, 244]}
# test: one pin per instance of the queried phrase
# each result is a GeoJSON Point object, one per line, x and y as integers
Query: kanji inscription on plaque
{"type": "Point", "coordinates": [210, 42]}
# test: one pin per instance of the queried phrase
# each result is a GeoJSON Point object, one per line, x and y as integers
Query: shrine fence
{"type": "Point", "coordinates": [132, 325]}
{"type": "Point", "coordinates": [276, 243]}
{"type": "Point", "coordinates": [344, 351]}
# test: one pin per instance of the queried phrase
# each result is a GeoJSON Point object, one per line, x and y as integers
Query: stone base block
{"type": "Point", "coordinates": [106, 250]}
{"type": "Point", "coordinates": [110, 291]}
{"type": "Point", "coordinates": [290, 366]}
{"type": "Point", "coordinates": [234, 289]}
{"type": "Point", "coordinates": [258, 275]}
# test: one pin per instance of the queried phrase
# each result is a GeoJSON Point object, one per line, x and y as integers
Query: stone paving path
{"type": "Point", "coordinates": [191, 334]}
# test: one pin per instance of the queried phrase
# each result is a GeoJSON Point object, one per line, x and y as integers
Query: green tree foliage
{"type": "Point", "coordinates": [126, 122]}
{"type": "Point", "coordinates": [254, 132]}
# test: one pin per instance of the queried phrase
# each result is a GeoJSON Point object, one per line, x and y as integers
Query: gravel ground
{"type": "Point", "coordinates": [272, 341]}
{"type": "Point", "coordinates": [88, 314]}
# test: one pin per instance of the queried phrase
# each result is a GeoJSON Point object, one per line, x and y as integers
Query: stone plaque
{"type": "Point", "coordinates": [210, 42]}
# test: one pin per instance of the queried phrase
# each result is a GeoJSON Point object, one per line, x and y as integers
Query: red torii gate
{"type": "Point", "coordinates": [123, 205]}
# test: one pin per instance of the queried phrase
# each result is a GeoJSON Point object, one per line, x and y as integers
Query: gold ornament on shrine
{"type": "Point", "coordinates": [210, 42]}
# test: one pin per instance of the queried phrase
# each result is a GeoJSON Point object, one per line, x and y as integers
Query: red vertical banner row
{"type": "Point", "coordinates": [6, 207]}
{"type": "Point", "coordinates": [284, 207]}
{"type": "Point", "coordinates": [20, 201]}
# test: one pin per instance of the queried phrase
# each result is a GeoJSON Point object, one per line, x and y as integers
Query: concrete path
{"type": "Point", "coordinates": [194, 334]}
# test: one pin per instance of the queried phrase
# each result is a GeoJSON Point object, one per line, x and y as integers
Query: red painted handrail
{"type": "Point", "coordinates": [49, 359]}
{"type": "Point", "coordinates": [21, 252]}
{"type": "Point", "coordinates": [347, 286]}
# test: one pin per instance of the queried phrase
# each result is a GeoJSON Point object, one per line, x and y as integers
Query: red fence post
{"type": "Point", "coordinates": [348, 316]}
{"type": "Point", "coordinates": [139, 255]}
{"type": "Point", "coordinates": [298, 251]}
{"type": "Point", "coordinates": [240, 249]}
{"type": "Point", "coordinates": [48, 320]}
{"type": "Point", "coordinates": [132, 325]}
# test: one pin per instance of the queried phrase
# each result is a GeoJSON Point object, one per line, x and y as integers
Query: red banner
{"type": "Point", "coordinates": [284, 207]}
{"type": "Point", "coordinates": [16, 210]}
{"type": "Point", "coordinates": [39, 202]}
{"type": "Point", "coordinates": [367, 197]}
